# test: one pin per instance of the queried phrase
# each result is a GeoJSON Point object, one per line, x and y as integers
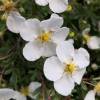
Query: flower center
{"type": "Point", "coordinates": [97, 88]}
{"type": "Point", "coordinates": [8, 5]}
{"type": "Point", "coordinates": [86, 37]}
{"type": "Point", "coordinates": [70, 68]}
{"type": "Point", "coordinates": [69, 8]}
{"type": "Point", "coordinates": [45, 37]}
{"type": "Point", "coordinates": [25, 91]}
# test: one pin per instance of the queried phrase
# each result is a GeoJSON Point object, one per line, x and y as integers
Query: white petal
{"type": "Point", "coordinates": [53, 23]}
{"type": "Point", "coordinates": [42, 2]}
{"type": "Point", "coordinates": [14, 21]}
{"type": "Point", "coordinates": [77, 75]}
{"type": "Point", "coordinates": [58, 6]}
{"type": "Point", "coordinates": [6, 93]}
{"type": "Point", "coordinates": [48, 49]}
{"type": "Point", "coordinates": [53, 69]}
{"type": "Point", "coordinates": [64, 86]}
{"type": "Point", "coordinates": [86, 31]}
{"type": "Point", "coordinates": [90, 95]}
{"type": "Point", "coordinates": [33, 86]}
{"type": "Point", "coordinates": [94, 42]}
{"type": "Point", "coordinates": [60, 34]}
{"type": "Point", "coordinates": [30, 29]}
{"type": "Point", "coordinates": [82, 58]}
{"type": "Point", "coordinates": [32, 51]}
{"type": "Point", "coordinates": [19, 96]}
{"type": "Point", "coordinates": [65, 51]}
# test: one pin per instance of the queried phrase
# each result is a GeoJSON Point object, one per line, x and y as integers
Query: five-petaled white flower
{"type": "Point", "coordinates": [68, 68]}
{"type": "Point", "coordinates": [91, 94]}
{"type": "Point", "coordinates": [93, 42]}
{"type": "Point", "coordinates": [42, 36]}
{"type": "Point", "coordinates": [7, 93]}
{"type": "Point", "coordinates": [57, 6]}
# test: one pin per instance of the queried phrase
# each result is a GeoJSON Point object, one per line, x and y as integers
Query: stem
{"type": "Point", "coordinates": [2, 58]}
{"type": "Point", "coordinates": [43, 89]}
{"type": "Point", "coordinates": [1, 76]}
{"type": "Point", "coordinates": [97, 78]}
{"type": "Point", "coordinates": [88, 83]}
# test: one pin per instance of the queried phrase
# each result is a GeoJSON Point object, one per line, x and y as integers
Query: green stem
{"type": "Point", "coordinates": [97, 78]}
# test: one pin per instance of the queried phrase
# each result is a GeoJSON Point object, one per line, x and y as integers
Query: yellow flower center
{"type": "Point", "coordinates": [69, 8]}
{"type": "Point", "coordinates": [70, 68]}
{"type": "Point", "coordinates": [72, 34]}
{"type": "Point", "coordinates": [45, 37]}
{"type": "Point", "coordinates": [97, 88]}
{"type": "Point", "coordinates": [8, 5]}
{"type": "Point", "coordinates": [25, 91]}
{"type": "Point", "coordinates": [86, 37]}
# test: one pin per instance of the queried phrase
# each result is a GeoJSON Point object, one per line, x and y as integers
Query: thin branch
{"type": "Point", "coordinates": [88, 83]}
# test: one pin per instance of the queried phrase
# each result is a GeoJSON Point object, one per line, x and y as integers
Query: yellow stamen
{"type": "Point", "coordinates": [4, 16]}
{"type": "Point", "coordinates": [25, 91]}
{"type": "Point", "coordinates": [45, 37]}
{"type": "Point", "coordinates": [72, 34]}
{"type": "Point", "coordinates": [97, 88]}
{"type": "Point", "coordinates": [70, 68]}
{"type": "Point", "coordinates": [86, 38]}
{"type": "Point", "coordinates": [8, 5]}
{"type": "Point", "coordinates": [69, 8]}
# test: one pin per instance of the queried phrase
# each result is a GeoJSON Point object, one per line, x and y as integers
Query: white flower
{"type": "Point", "coordinates": [57, 6]}
{"type": "Point", "coordinates": [93, 42]}
{"type": "Point", "coordinates": [91, 94]}
{"type": "Point", "coordinates": [6, 93]}
{"type": "Point", "coordinates": [14, 22]}
{"type": "Point", "coordinates": [68, 68]}
{"type": "Point", "coordinates": [42, 36]}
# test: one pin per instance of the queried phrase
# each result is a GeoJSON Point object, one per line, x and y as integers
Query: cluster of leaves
{"type": "Point", "coordinates": [15, 71]}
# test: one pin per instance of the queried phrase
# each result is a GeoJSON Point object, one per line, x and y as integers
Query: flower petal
{"type": "Point", "coordinates": [94, 42]}
{"type": "Point", "coordinates": [60, 34]}
{"type": "Point", "coordinates": [53, 23]}
{"type": "Point", "coordinates": [53, 69]}
{"type": "Point", "coordinates": [33, 86]}
{"type": "Point", "coordinates": [90, 95]}
{"type": "Point", "coordinates": [65, 51]}
{"type": "Point", "coordinates": [42, 2]}
{"type": "Point", "coordinates": [82, 58]}
{"type": "Point", "coordinates": [77, 75]}
{"type": "Point", "coordinates": [6, 93]}
{"type": "Point", "coordinates": [19, 96]}
{"type": "Point", "coordinates": [14, 21]}
{"type": "Point", "coordinates": [30, 29]}
{"type": "Point", "coordinates": [48, 49]}
{"type": "Point", "coordinates": [86, 31]}
{"type": "Point", "coordinates": [58, 6]}
{"type": "Point", "coordinates": [32, 51]}
{"type": "Point", "coordinates": [64, 86]}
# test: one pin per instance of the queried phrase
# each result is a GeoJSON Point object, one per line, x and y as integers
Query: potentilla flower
{"type": "Point", "coordinates": [14, 21]}
{"type": "Point", "coordinates": [68, 68]}
{"type": "Point", "coordinates": [43, 36]}
{"type": "Point", "coordinates": [57, 6]}
{"type": "Point", "coordinates": [93, 42]}
{"type": "Point", "coordinates": [91, 94]}
{"type": "Point", "coordinates": [7, 93]}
